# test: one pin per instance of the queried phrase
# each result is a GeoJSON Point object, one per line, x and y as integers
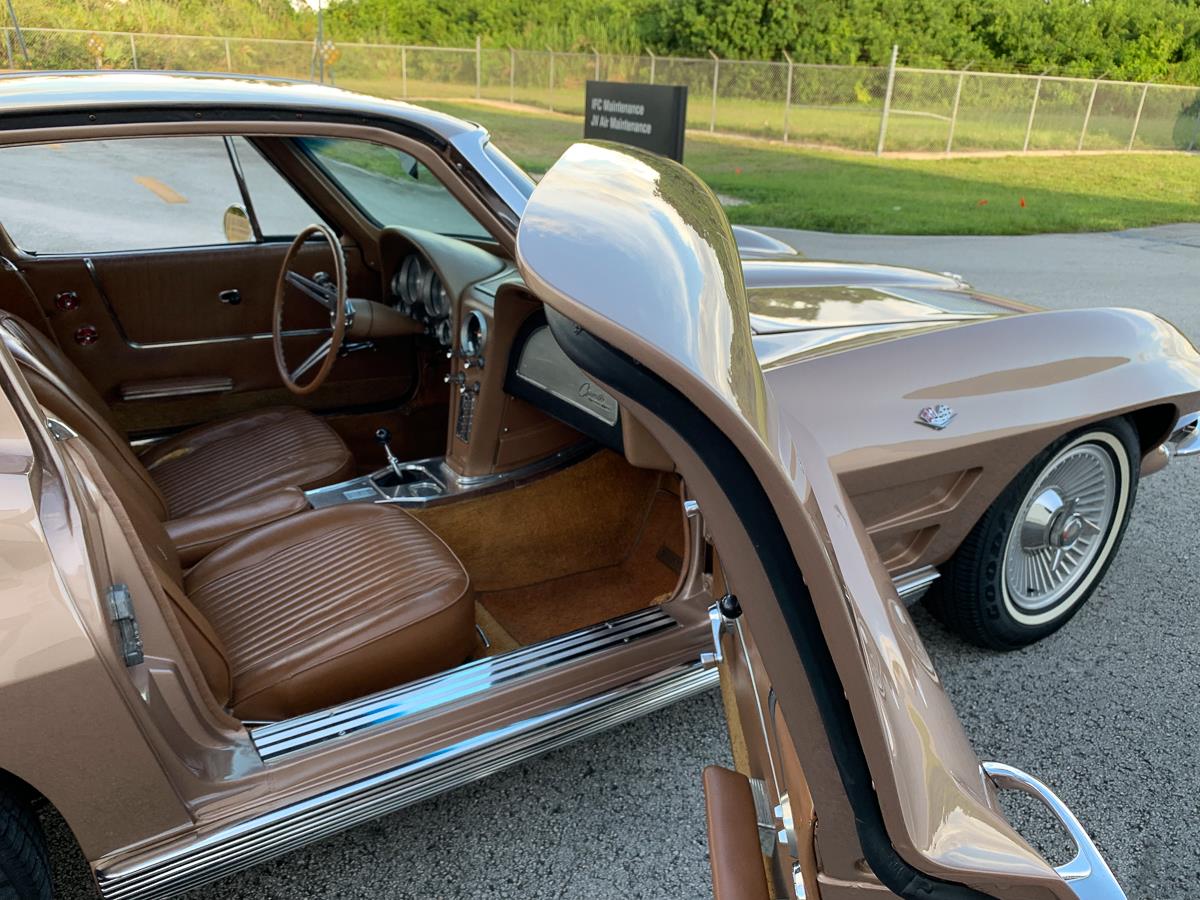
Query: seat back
{"type": "Point", "coordinates": [65, 393]}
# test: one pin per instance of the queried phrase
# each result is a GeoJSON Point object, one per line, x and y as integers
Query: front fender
{"type": "Point", "coordinates": [1015, 383]}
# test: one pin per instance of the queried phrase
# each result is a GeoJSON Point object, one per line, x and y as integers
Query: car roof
{"type": "Point", "coordinates": [70, 91]}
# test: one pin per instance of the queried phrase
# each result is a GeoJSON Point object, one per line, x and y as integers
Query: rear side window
{"type": "Point", "coordinates": [137, 194]}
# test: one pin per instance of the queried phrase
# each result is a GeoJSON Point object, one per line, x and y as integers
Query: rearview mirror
{"type": "Point", "coordinates": [236, 224]}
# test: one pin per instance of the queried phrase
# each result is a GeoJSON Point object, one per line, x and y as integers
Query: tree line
{"type": "Point", "coordinates": [1137, 40]}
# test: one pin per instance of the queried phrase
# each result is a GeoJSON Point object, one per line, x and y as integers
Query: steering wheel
{"type": "Point", "coordinates": [331, 295]}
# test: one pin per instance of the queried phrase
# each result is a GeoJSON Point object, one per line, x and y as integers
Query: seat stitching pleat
{"type": "Point", "coordinates": [274, 568]}
{"type": "Point", "coordinates": [248, 653]}
{"type": "Point", "coordinates": [243, 605]}
{"type": "Point", "coordinates": [271, 634]}
{"type": "Point", "coordinates": [250, 456]}
{"type": "Point", "coordinates": [277, 574]}
{"type": "Point", "coordinates": [242, 458]}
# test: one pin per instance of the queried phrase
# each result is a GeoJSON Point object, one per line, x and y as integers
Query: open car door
{"type": "Point", "coordinates": [854, 742]}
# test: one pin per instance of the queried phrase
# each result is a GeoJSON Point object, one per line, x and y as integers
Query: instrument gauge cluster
{"type": "Point", "coordinates": [473, 336]}
{"type": "Point", "coordinates": [417, 291]}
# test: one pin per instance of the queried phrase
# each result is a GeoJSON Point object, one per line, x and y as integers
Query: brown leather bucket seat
{"type": "Point", "coordinates": [323, 607]}
{"type": "Point", "coordinates": [217, 466]}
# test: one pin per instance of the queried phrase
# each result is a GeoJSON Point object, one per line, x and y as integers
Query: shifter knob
{"type": "Point", "coordinates": [382, 435]}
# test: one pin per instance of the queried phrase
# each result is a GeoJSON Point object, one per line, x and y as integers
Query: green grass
{"type": "Point", "coordinates": [828, 191]}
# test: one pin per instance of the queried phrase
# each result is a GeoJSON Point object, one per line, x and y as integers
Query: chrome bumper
{"type": "Point", "coordinates": [1183, 442]}
{"type": "Point", "coordinates": [1185, 439]}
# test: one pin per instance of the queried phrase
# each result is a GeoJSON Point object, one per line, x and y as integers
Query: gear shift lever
{"type": "Point", "coordinates": [383, 436]}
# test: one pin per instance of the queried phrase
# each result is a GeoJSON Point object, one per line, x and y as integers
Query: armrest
{"type": "Point", "coordinates": [198, 535]}
{"type": "Point", "coordinates": [733, 849]}
{"type": "Point", "coordinates": [184, 386]}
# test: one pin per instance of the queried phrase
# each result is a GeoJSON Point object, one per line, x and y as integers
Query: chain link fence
{"type": "Point", "coordinates": [881, 109]}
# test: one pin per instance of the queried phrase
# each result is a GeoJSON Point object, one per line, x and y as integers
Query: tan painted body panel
{"type": "Point", "coordinates": [58, 683]}
{"type": "Point", "coordinates": [1016, 383]}
{"type": "Point", "coordinates": [636, 251]}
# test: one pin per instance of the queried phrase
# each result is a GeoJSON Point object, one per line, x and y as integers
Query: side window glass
{"type": "Point", "coordinates": [281, 212]}
{"type": "Point", "coordinates": [114, 195]}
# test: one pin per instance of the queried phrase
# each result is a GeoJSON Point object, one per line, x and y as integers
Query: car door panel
{"type": "Point", "coordinates": [636, 262]}
{"type": "Point", "coordinates": [163, 319]}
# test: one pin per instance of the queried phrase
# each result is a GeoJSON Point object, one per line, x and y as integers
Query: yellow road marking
{"type": "Point", "coordinates": [161, 191]}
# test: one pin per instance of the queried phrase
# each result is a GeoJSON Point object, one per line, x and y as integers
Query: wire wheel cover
{"type": "Point", "coordinates": [1061, 527]}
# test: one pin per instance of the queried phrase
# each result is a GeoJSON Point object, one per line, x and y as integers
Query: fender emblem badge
{"type": "Point", "coordinates": [936, 417]}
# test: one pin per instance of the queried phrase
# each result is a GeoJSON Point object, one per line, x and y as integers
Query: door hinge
{"type": "Point", "coordinates": [120, 612]}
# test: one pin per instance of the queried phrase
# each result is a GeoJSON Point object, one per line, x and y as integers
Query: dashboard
{"type": "Point", "coordinates": [417, 291]}
{"type": "Point", "coordinates": [514, 394]}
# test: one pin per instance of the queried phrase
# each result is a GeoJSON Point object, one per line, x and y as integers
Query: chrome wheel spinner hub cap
{"type": "Point", "coordinates": [1051, 521]}
{"type": "Point", "coordinates": [1060, 527]}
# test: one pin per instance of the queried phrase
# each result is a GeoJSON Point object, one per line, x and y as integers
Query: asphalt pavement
{"type": "Point", "coordinates": [1105, 711]}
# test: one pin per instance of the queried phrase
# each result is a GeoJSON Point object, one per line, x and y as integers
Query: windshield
{"type": "Point", "coordinates": [391, 187]}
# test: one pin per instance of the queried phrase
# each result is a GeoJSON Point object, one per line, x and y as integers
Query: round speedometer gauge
{"type": "Point", "coordinates": [414, 276]}
{"type": "Point", "coordinates": [438, 302]}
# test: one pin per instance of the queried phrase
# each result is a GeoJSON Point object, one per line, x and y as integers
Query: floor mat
{"type": "Point", "coordinates": [535, 612]}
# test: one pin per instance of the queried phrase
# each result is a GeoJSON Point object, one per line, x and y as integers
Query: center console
{"type": "Point", "coordinates": [494, 437]}
{"type": "Point", "coordinates": [425, 482]}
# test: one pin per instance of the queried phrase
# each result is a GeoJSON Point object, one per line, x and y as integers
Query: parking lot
{"type": "Point", "coordinates": [1105, 711]}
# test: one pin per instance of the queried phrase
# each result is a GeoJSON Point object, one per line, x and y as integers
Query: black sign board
{"type": "Point", "coordinates": [651, 116]}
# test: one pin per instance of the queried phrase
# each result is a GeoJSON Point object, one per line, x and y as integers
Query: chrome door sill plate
{"type": "Point", "coordinates": [238, 846]}
{"type": "Point", "coordinates": [468, 681]}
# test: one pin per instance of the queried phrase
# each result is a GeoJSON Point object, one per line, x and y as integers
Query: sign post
{"type": "Point", "coordinates": [650, 116]}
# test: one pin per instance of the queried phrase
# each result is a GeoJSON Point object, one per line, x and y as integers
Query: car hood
{"type": "Point", "coordinates": [801, 307]}
{"type": "Point", "coordinates": [802, 295]}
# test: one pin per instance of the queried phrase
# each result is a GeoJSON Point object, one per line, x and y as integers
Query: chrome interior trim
{"type": "Point", "coordinates": [60, 431]}
{"type": "Point", "coordinates": [545, 365]}
{"type": "Point", "coordinates": [152, 391]}
{"type": "Point", "coordinates": [472, 144]}
{"type": "Point", "coordinates": [225, 339]}
{"type": "Point", "coordinates": [142, 443]}
{"type": "Point", "coordinates": [440, 482]}
{"type": "Point", "coordinates": [192, 342]}
{"type": "Point", "coordinates": [240, 176]}
{"type": "Point", "coordinates": [193, 861]}
{"type": "Point", "coordinates": [911, 586]}
{"type": "Point", "coordinates": [1087, 874]}
{"type": "Point", "coordinates": [446, 689]}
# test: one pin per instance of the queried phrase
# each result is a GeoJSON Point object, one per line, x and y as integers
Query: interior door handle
{"type": "Point", "coordinates": [232, 296]}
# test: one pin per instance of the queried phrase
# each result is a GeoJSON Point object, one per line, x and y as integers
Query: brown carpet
{"type": "Point", "coordinates": [584, 517]}
{"type": "Point", "coordinates": [647, 574]}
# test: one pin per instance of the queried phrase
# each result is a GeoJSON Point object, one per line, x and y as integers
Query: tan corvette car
{"type": "Point", "coordinates": [341, 466]}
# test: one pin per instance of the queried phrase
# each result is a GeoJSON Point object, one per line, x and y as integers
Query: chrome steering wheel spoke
{"type": "Point", "coordinates": [324, 294]}
{"type": "Point", "coordinates": [327, 290]}
{"type": "Point", "coordinates": [313, 359]}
